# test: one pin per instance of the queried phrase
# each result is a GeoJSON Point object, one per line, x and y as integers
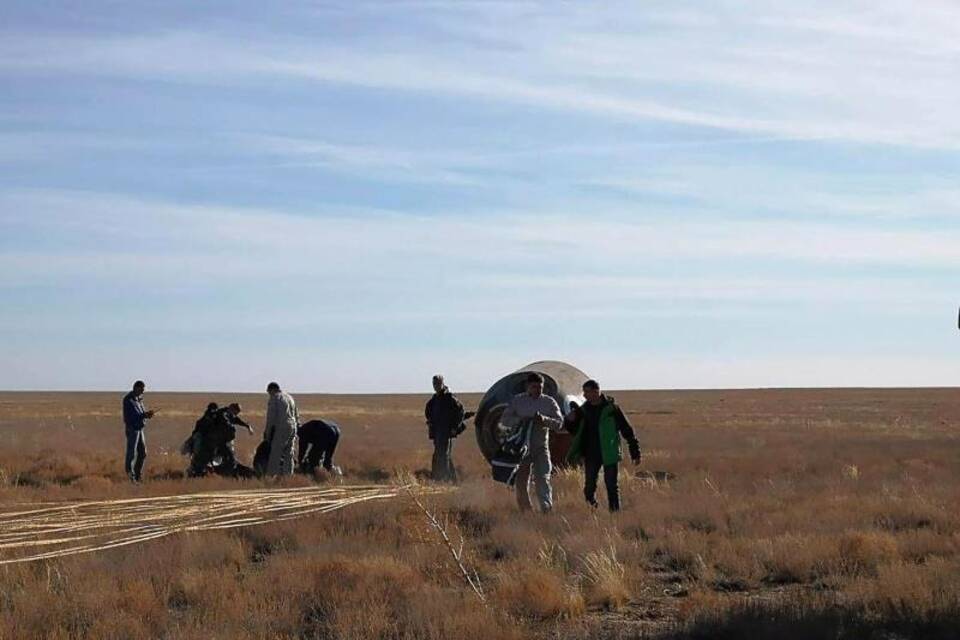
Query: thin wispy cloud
{"type": "Point", "coordinates": [790, 193]}
{"type": "Point", "coordinates": [167, 241]}
{"type": "Point", "coordinates": [817, 71]}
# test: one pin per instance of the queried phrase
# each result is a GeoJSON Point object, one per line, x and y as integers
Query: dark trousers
{"type": "Point", "coordinates": [136, 453]}
{"type": "Point", "coordinates": [206, 448]}
{"type": "Point", "coordinates": [320, 444]}
{"type": "Point", "coordinates": [591, 469]}
{"type": "Point", "coordinates": [443, 469]}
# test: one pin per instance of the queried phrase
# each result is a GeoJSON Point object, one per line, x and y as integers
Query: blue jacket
{"type": "Point", "coordinates": [134, 415]}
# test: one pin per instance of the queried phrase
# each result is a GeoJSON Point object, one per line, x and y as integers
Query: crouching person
{"type": "Point", "coordinates": [318, 441]}
{"type": "Point", "coordinates": [192, 444]}
{"type": "Point", "coordinates": [214, 437]}
{"type": "Point", "coordinates": [598, 428]}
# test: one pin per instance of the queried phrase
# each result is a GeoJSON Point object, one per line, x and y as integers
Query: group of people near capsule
{"type": "Point", "coordinates": [287, 445]}
{"type": "Point", "coordinates": [598, 427]}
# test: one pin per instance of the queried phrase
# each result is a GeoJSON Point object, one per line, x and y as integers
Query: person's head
{"type": "Point", "coordinates": [591, 391]}
{"type": "Point", "coordinates": [139, 386]}
{"type": "Point", "coordinates": [273, 388]}
{"type": "Point", "coordinates": [534, 384]}
{"type": "Point", "coordinates": [212, 407]}
{"type": "Point", "coordinates": [438, 384]}
{"type": "Point", "coordinates": [234, 408]}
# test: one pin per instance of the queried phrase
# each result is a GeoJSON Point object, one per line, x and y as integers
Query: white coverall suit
{"type": "Point", "coordinates": [281, 432]}
{"type": "Point", "coordinates": [522, 407]}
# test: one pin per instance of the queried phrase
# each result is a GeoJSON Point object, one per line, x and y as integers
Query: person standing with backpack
{"type": "Point", "coordinates": [445, 415]}
{"type": "Point", "coordinates": [598, 427]}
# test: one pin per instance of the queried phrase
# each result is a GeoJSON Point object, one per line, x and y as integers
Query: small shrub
{"type": "Point", "coordinates": [536, 592]}
{"type": "Point", "coordinates": [865, 552]}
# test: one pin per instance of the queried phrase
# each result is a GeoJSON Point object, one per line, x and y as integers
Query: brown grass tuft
{"type": "Point", "coordinates": [533, 591]}
{"type": "Point", "coordinates": [864, 552]}
{"type": "Point", "coordinates": [605, 579]}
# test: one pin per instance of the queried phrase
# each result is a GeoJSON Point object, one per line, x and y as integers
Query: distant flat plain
{"type": "Point", "coordinates": [807, 512]}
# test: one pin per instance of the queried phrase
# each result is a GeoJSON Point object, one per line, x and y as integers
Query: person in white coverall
{"type": "Point", "coordinates": [545, 415]}
{"type": "Point", "coordinates": [281, 431]}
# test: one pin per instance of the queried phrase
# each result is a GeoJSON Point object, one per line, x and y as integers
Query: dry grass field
{"type": "Point", "coordinates": [790, 514]}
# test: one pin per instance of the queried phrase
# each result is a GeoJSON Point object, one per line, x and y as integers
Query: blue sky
{"type": "Point", "coordinates": [351, 196]}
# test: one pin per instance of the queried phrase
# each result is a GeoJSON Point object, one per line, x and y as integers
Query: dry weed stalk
{"type": "Point", "coordinates": [456, 551]}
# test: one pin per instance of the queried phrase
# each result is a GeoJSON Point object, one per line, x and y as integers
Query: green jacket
{"type": "Point", "coordinates": [612, 425]}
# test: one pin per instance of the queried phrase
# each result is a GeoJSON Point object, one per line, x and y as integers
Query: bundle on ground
{"type": "Point", "coordinates": [54, 530]}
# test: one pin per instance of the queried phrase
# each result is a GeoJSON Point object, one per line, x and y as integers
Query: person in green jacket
{"type": "Point", "coordinates": [598, 425]}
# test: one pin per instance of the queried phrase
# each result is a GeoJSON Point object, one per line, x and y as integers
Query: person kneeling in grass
{"type": "Point", "coordinates": [598, 426]}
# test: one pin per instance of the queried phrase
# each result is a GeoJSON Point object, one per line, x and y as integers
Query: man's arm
{"type": "Point", "coordinates": [572, 422]}
{"type": "Point", "coordinates": [457, 412]}
{"type": "Point", "coordinates": [274, 409]}
{"type": "Point", "coordinates": [626, 430]}
{"type": "Point", "coordinates": [552, 419]}
{"type": "Point", "coordinates": [237, 420]}
{"type": "Point", "coordinates": [427, 410]}
{"type": "Point", "coordinates": [128, 413]}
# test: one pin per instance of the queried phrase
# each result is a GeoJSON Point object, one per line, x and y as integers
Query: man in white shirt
{"type": "Point", "coordinates": [281, 431]}
{"type": "Point", "coordinates": [544, 413]}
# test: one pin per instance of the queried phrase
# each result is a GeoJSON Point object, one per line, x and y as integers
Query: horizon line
{"type": "Point", "coordinates": [427, 392]}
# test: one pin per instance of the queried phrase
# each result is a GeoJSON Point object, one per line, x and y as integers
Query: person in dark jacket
{"type": "Point", "coordinates": [598, 427]}
{"type": "Point", "coordinates": [318, 441]}
{"type": "Point", "coordinates": [214, 437]}
{"type": "Point", "coordinates": [444, 415]}
{"type": "Point", "coordinates": [135, 417]}
{"type": "Point", "coordinates": [193, 442]}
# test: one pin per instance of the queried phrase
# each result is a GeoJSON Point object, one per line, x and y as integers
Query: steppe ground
{"type": "Point", "coordinates": [788, 514]}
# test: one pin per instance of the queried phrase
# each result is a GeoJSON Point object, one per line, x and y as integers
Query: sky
{"type": "Point", "coordinates": [352, 196]}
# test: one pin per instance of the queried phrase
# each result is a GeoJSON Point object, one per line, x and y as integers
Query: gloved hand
{"type": "Point", "coordinates": [634, 451]}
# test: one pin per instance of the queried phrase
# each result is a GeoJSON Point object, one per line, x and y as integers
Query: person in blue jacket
{"type": "Point", "coordinates": [135, 417]}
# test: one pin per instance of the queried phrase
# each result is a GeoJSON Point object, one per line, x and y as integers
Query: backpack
{"type": "Point", "coordinates": [460, 428]}
{"type": "Point", "coordinates": [511, 453]}
{"type": "Point", "coordinates": [261, 457]}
